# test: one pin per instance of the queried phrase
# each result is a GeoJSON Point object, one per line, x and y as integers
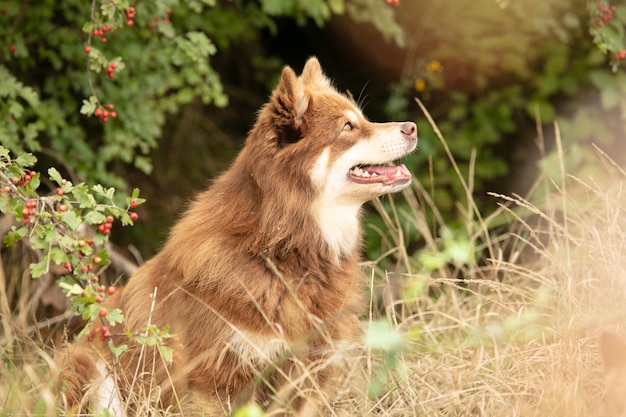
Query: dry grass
{"type": "Point", "coordinates": [512, 335]}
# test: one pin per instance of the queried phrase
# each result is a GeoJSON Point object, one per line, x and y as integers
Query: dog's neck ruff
{"type": "Point", "coordinates": [339, 226]}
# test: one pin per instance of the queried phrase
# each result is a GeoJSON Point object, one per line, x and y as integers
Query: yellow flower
{"type": "Point", "coordinates": [420, 85]}
{"type": "Point", "coordinates": [434, 66]}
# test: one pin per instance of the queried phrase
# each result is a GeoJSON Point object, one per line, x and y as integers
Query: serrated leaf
{"type": "Point", "coordinates": [57, 255]}
{"type": "Point", "coordinates": [89, 106]}
{"type": "Point", "coordinates": [94, 217]}
{"type": "Point", "coordinates": [55, 175]}
{"type": "Point", "coordinates": [38, 269]}
{"type": "Point", "coordinates": [100, 190]}
{"type": "Point", "coordinates": [167, 353]}
{"type": "Point", "coordinates": [14, 235]}
{"type": "Point", "coordinates": [26, 160]}
{"type": "Point", "coordinates": [71, 220]}
{"type": "Point", "coordinates": [70, 289]}
{"type": "Point", "coordinates": [117, 350]}
{"type": "Point", "coordinates": [115, 316]}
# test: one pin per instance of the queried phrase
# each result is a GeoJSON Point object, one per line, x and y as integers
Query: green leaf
{"type": "Point", "coordinates": [94, 217]}
{"type": "Point", "coordinates": [249, 410]}
{"type": "Point", "coordinates": [167, 353]}
{"type": "Point", "coordinates": [117, 350]}
{"type": "Point", "coordinates": [25, 160]}
{"type": "Point", "coordinates": [115, 316]}
{"type": "Point", "coordinates": [55, 175]}
{"type": "Point", "coordinates": [38, 269]}
{"type": "Point", "coordinates": [89, 106]}
{"type": "Point", "coordinates": [381, 335]}
{"type": "Point", "coordinates": [15, 235]}
{"type": "Point", "coordinates": [71, 220]}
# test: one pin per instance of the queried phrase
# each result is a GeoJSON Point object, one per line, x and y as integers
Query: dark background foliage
{"type": "Point", "coordinates": [191, 74]}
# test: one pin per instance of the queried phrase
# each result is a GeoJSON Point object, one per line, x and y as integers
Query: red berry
{"type": "Point", "coordinates": [98, 112]}
{"type": "Point", "coordinates": [25, 212]}
{"type": "Point", "coordinates": [133, 203]}
{"type": "Point", "coordinates": [62, 208]}
{"type": "Point", "coordinates": [113, 114]}
{"type": "Point", "coordinates": [67, 266]}
{"type": "Point", "coordinates": [15, 180]}
{"type": "Point", "coordinates": [168, 11]}
{"type": "Point", "coordinates": [97, 260]}
{"type": "Point", "coordinates": [130, 22]}
{"type": "Point", "coordinates": [95, 279]}
{"type": "Point", "coordinates": [103, 312]}
{"type": "Point", "coordinates": [96, 330]}
{"type": "Point", "coordinates": [109, 219]}
{"type": "Point", "coordinates": [111, 290]}
{"type": "Point", "coordinates": [133, 216]}
{"type": "Point", "coordinates": [60, 191]}
{"type": "Point", "coordinates": [101, 288]}
{"type": "Point", "coordinates": [12, 48]}
{"type": "Point", "coordinates": [110, 106]}
{"type": "Point", "coordinates": [7, 189]}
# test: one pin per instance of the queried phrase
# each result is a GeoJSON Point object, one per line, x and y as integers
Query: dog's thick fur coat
{"type": "Point", "coordinates": [260, 277]}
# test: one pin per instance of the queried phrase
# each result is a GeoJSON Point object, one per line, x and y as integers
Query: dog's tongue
{"type": "Point", "coordinates": [387, 175]}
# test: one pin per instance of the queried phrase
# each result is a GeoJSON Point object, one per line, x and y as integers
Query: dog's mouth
{"type": "Point", "coordinates": [379, 174]}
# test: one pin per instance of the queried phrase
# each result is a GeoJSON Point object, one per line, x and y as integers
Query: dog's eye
{"type": "Point", "coordinates": [348, 126]}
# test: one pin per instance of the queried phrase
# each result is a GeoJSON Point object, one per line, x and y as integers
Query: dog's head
{"type": "Point", "coordinates": [310, 128]}
{"type": "Point", "coordinates": [317, 156]}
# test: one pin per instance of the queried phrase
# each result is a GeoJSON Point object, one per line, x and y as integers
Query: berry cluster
{"type": "Point", "coordinates": [105, 228]}
{"type": "Point", "coordinates": [130, 14]}
{"type": "Point", "coordinates": [99, 33]}
{"type": "Point", "coordinates": [604, 15]}
{"type": "Point", "coordinates": [30, 208]}
{"type": "Point", "coordinates": [133, 214]}
{"type": "Point", "coordinates": [103, 332]}
{"type": "Point", "coordinates": [22, 181]}
{"type": "Point", "coordinates": [104, 113]}
{"type": "Point", "coordinates": [620, 56]}
{"type": "Point", "coordinates": [165, 20]}
{"type": "Point", "coordinates": [111, 70]}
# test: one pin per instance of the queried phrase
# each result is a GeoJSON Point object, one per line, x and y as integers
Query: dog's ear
{"type": "Point", "coordinates": [289, 103]}
{"type": "Point", "coordinates": [313, 76]}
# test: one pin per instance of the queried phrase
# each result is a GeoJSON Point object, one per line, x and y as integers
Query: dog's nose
{"type": "Point", "coordinates": [409, 129]}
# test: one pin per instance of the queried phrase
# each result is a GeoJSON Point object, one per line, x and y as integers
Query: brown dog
{"type": "Point", "coordinates": [259, 279]}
